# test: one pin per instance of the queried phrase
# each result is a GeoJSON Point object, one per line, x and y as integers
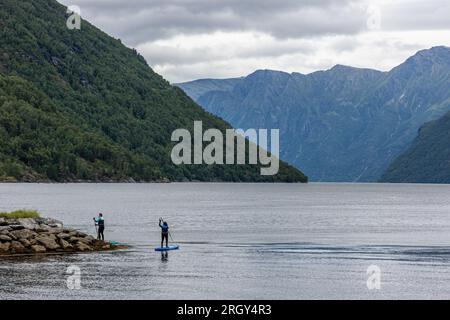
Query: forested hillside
{"type": "Point", "coordinates": [79, 105]}
{"type": "Point", "coordinates": [427, 160]}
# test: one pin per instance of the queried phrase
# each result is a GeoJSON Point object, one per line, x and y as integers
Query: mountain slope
{"type": "Point", "coordinates": [118, 113]}
{"type": "Point", "coordinates": [198, 88]}
{"type": "Point", "coordinates": [427, 160]}
{"type": "Point", "coordinates": [342, 124]}
{"type": "Point", "coordinates": [39, 143]}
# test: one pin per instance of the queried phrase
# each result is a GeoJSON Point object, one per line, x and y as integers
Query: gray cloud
{"type": "Point", "coordinates": [139, 20]}
{"type": "Point", "coordinates": [163, 55]}
{"type": "Point", "coordinates": [417, 15]}
{"type": "Point", "coordinates": [188, 39]}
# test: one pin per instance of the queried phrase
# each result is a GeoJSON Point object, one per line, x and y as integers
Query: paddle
{"type": "Point", "coordinates": [95, 225]}
{"type": "Point", "coordinates": [170, 235]}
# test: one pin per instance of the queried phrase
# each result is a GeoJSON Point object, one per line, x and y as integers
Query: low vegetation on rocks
{"type": "Point", "coordinates": [20, 214]}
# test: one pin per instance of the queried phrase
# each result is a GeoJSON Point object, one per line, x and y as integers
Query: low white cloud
{"type": "Point", "coordinates": [185, 58]}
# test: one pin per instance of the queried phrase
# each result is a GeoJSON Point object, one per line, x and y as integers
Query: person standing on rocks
{"type": "Point", "coordinates": [100, 222]}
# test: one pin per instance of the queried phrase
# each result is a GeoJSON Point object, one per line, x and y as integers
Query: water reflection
{"type": "Point", "coordinates": [164, 256]}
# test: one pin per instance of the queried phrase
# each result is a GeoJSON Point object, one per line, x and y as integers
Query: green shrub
{"type": "Point", "coordinates": [20, 214]}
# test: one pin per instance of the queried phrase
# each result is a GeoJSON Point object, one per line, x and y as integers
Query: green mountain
{"type": "Point", "coordinates": [343, 124]}
{"type": "Point", "coordinates": [79, 105]}
{"type": "Point", "coordinates": [427, 160]}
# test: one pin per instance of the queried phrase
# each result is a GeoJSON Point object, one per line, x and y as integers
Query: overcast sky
{"type": "Point", "coordinates": [191, 39]}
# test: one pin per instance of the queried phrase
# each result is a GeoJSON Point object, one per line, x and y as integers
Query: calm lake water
{"type": "Point", "coordinates": [241, 241]}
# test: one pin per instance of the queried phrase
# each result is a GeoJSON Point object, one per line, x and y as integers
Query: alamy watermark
{"type": "Point", "coordinates": [73, 281]}
{"type": "Point", "coordinates": [230, 149]}
{"type": "Point", "coordinates": [374, 18]}
{"type": "Point", "coordinates": [73, 22]}
{"type": "Point", "coordinates": [374, 277]}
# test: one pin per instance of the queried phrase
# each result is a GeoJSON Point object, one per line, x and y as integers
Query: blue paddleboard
{"type": "Point", "coordinates": [172, 247]}
{"type": "Point", "coordinates": [115, 243]}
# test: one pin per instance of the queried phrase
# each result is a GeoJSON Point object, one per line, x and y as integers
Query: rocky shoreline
{"type": "Point", "coordinates": [45, 235]}
{"type": "Point", "coordinates": [93, 181]}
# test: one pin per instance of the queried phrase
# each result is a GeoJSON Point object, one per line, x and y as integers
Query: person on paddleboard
{"type": "Point", "coordinates": [164, 232]}
{"type": "Point", "coordinates": [100, 222]}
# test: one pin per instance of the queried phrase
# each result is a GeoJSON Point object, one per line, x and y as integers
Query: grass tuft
{"type": "Point", "coordinates": [19, 214]}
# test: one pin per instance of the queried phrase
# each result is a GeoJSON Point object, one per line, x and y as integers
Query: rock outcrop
{"type": "Point", "coordinates": [44, 235]}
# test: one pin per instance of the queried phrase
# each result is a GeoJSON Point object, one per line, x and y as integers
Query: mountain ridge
{"type": "Point", "coordinates": [342, 124]}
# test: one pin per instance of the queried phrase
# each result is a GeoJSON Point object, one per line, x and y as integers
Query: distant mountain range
{"type": "Point", "coordinates": [77, 105]}
{"type": "Point", "coordinates": [342, 124]}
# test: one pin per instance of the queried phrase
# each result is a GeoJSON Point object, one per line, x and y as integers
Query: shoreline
{"type": "Point", "coordinates": [159, 182]}
{"type": "Point", "coordinates": [62, 253]}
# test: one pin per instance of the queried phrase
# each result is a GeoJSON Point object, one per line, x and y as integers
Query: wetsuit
{"type": "Point", "coordinates": [101, 228]}
{"type": "Point", "coordinates": [164, 233]}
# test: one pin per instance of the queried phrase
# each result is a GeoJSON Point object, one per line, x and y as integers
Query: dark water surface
{"type": "Point", "coordinates": [249, 241]}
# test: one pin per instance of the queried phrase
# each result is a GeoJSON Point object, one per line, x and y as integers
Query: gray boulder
{"type": "Point", "coordinates": [28, 223]}
{"type": "Point", "coordinates": [90, 238]}
{"type": "Point", "coordinates": [23, 234]}
{"type": "Point", "coordinates": [47, 242]}
{"type": "Point", "coordinates": [16, 226]}
{"type": "Point", "coordinates": [63, 236]}
{"type": "Point", "coordinates": [80, 239]}
{"type": "Point", "coordinates": [17, 247]}
{"type": "Point", "coordinates": [38, 249]}
{"type": "Point", "coordinates": [42, 228]}
{"type": "Point", "coordinates": [9, 234]}
{"type": "Point", "coordinates": [4, 247]}
{"type": "Point", "coordinates": [53, 223]}
{"type": "Point", "coordinates": [26, 243]}
{"type": "Point", "coordinates": [4, 229]}
{"type": "Point", "coordinates": [80, 246]}
{"type": "Point", "coordinates": [55, 230]}
{"type": "Point", "coordinates": [65, 245]}
{"type": "Point", "coordinates": [4, 237]}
